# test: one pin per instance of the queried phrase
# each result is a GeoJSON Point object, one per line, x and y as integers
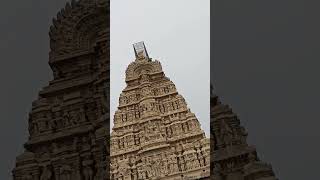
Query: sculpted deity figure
{"type": "Point", "coordinates": [163, 132]}
{"type": "Point", "coordinates": [142, 137]}
{"type": "Point", "coordinates": [141, 171]}
{"type": "Point", "coordinates": [82, 115]}
{"type": "Point", "coordinates": [187, 161]}
{"type": "Point", "coordinates": [126, 168]}
{"type": "Point", "coordinates": [169, 131]}
{"type": "Point", "coordinates": [190, 124]}
{"type": "Point", "coordinates": [157, 166]}
{"type": "Point", "coordinates": [148, 165]}
{"type": "Point", "coordinates": [173, 164]}
{"type": "Point", "coordinates": [170, 166]}
{"type": "Point", "coordinates": [182, 163]}
{"type": "Point", "coordinates": [117, 118]}
{"type": "Point", "coordinates": [169, 106]}
{"type": "Point", "coordinates": [130, 141]}
{"type": "Point", "coordinates": [136, 139]}
{"type": "Point", "coordinates": [179, 128]}
{"type": "Point", "coordinates": [130, 116]}
{"type": "Point", "coordinates": [201, 159]}
{"type": "Point", "coordinates": [125, 141]}
{"type": "Point", "coordinates": [114, 169]}
{"type": "Point", "coordinates": [196, 163]}
{"type": "Point", "coordinates": [46, 174]}
{"type": "Point", "coordinates": [206, 155]}
{"type": "Point", "coordinates": [164, 164]}
{"type": "Point", "coordinates": [121, 145]}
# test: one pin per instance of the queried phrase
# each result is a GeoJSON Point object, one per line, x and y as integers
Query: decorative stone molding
{"type": "Point", "coordinates": [155, 136]}
{"type": "Point", "coordinates": [77, 26]}
{"type": "Point", "coordinates": [67, 123]}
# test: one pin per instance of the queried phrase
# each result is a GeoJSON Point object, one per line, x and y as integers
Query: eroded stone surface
{"type": "Point", "coordinates": [155, 135]}
{"type": "Point", "coordinates": [67, 123]}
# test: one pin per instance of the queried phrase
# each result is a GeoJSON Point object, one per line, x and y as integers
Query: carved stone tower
{"type": "Point", "coordinates": [232, 157]}
{"type": "Point", "coordinates": [155, 135]}
{"type": "Point", "coordinates": [68, 122]}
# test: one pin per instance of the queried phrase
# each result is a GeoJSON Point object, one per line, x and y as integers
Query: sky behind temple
{"type": "Point", "coordinates": [180, 40]}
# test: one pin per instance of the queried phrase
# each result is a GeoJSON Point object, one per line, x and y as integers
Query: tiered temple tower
{"type": "Point", "coordinates": [155, 135]}
{"type": "Point", "coordinates": [69, 121]}
{"type": "Point", "coordinates": [232, 158]}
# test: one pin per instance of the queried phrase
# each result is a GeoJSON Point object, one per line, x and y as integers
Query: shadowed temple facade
{"type": "Point", "coordinates": [232, 158]}
{"type": "Point", "coordinates": [69, 121]}
{"type": "Point", "coordinates": [155, 134]}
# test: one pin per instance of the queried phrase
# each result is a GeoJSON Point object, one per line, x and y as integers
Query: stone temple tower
{"type": "Point", "coordinates": [69, 121]}
{"type": "Point", "coordinates": [155, 135]}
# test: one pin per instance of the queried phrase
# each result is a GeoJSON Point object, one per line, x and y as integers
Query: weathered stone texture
{"type": "Point", "coordinates": [155, 135]}
{"type": "Point", "coordinates": [68, 122]}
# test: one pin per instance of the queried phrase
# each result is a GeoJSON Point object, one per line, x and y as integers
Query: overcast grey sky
{"type": "Point", "coordinates": [177, 33]}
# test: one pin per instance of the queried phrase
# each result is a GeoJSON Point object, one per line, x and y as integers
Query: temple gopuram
{"type": "Point", "coordinates": [68, 123]}
{"type": "Point", "coordinates": [155, 134]}
{"type": "Point", "coordinates": [232, 158]}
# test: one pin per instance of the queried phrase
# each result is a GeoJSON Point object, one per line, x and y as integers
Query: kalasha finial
{"type": "Point", "coordinates": [140, 50]}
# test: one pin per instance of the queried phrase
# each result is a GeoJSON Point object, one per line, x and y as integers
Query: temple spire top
{"type": "Point", "coordinates": [140, 51]}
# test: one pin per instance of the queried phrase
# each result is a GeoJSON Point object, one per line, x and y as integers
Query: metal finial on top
{"type": "Point", "coordinates": [140, 50]}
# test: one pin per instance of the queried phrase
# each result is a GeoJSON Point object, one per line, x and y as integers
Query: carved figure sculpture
{"type": "Point", "coordinates": [151, 121]}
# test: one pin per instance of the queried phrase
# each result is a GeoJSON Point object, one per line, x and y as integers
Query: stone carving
{"type": "Point", "coordinates": [67, 121]}
{"type": "Point", "coordinates": [154, 124]}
